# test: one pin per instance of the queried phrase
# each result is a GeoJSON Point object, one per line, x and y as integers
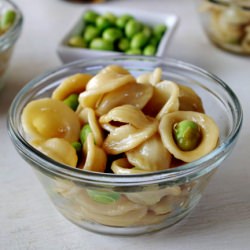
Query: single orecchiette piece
{"type": "Point", "coordinates": [246, 40]}
{"type": "Point", "coordinates": [47, 118]}
{"type": "Point", "coordinates": [164, 100]}
{"type": "Point", "coordinates": [74, 84]}
{"type": "Point", "coordinates": [235, 15]}
{"type": "Point", "coordinates": [115, 68]}
{"type": "Point", "coordinates": [162, 207]}
{"type": "Point", "coordinates": [117, 207]}
{"type": "Point", "coordinates": [94, 156]}
{"type": "Point", "coordinates": [189, 100]}
{"type": "Point", "coordinates": [118, 213]}
{"type": "Point", "coordinates": [132, 93]}
{"type": "Point", "coordinates": [209, 134]}
{"type": "Point", "coordinates": [223, 30]}
{"type": "Point", "coordinates": [102, 83]}
{"type": "Point", "coordinates": [57, 149]}
{"type": "Point", "coordinates": [150, 78]}
{"type": "Point", "coordinates": [66, 188]}
{"type": "Point", "coordinates": [152, 218]}
{"type": "Point", "coordinates": [87, 116]}
{"type": "Point", "coordinates": [153, 194]}
{"type": "Point", "coordinates": [150, 155]}
{"type": "Point", "coordinates": [130, 218]}
{"type": "Point", "coordinates": [133, 127]}
{"type": "Point", "coordinates": [123, 167]}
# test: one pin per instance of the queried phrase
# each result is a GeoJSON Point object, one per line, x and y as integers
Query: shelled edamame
{"type": "Point", "coordinates": [122, 33]}
{"type": "Point", "coordinates": [7, 19]}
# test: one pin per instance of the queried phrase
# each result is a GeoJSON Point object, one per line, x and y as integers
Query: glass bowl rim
{"type": "Point", "coordinates": [47, 164]}
{"type": "Point", "coordinates": [16, 27]}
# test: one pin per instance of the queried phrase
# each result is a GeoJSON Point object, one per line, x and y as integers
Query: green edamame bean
{"type": "Point", "coordinates": [90, 17]}
{"type": "Point", "coordinates": [103, 23]}
{"type": "Point", "coordinates": [154, 41]}
{"type": "Point", "coordinates": [112, 34]}
{"type": "Point", "coordinates": [77, 41]}
{"type": "Point", "coordinates": [77, 146]}
{"type": "Point", "coordinates": [7, 19]}
{"type": "Point", "coordinates": [149, 50]}
{"type": "Point", "coordinates": [159, 30]}
{"type": "Point", "coordinates": [134, 51]}
{"type": "Point", "coordinates": [138, 41]}
{"type": "Point", "coordinates": [103, 197]}
{"type": "Point", "coordinates": [84, 133]}
{"type": "Point", "coordinates": [101, 44]}
{"type": "Point", "coordinates": [122, 20]}
{"type": "Point", "coordinates": [90, 33]}
{"type": "Point", "coordinates": [187, 135]}
{"type": "Point", "coordinates": [111, 17]}
{"type": "Point", "coordinates": [132, 27]}
{"type": "Point", "coordinates": [72, 101]}
{"type": "Point", "coordinates": [147, 31]}
{"type": "Point", "coordinates": [123, 44]}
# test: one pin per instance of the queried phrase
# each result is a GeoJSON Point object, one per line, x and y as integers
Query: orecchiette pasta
{"type": "Point", "coordinates": [58, 149]}
{"type": "Point", "coordinates": [135, 128]}
{"type": "Point", "coordinates": [151, 78]}
{"type": "Point", "coordinates": [120, 115]}
{"type": "Point", "coordinates": [165, 99]}
{"type": "Point", "coordinates": [189, 100]}
{"type": "Point", "coordinates": [209, 130]}
{"type": "Point", "coordinates": [150, 155]}
{"type": "Point", "coordinates": [123, 167]}
{"type": "Point", "coordinates": [104, 82]}
{"type": "Point", "coordinates": [119, 207]}
{"type": "Point", "coordinates": [152, 196]}
{"type": "Point", "coordinates": [71, 85]}
{"type": "Point", "coordinates": [48, 118]}
{"type": "Point", "coordinates": [135, 94]}
{"type": "Point", "coordinates": [227, 24]}
{"type": "Point", "coordinates": [87, 116]}
{"type": "Point", "coordinates": [95, 157]}
{"type": "Point", "coordinates": [246, 41]}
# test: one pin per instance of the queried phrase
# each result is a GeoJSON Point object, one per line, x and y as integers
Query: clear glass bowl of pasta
{"type": "Point", "coordinates": [11, 20]}
{"type": "Point", "coordinates": [227, 24]}
{"type": "Point", "coordinates": [128, 184]}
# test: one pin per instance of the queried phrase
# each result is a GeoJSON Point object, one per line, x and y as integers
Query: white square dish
{"type": "Point", "coordinates": [69, 54]}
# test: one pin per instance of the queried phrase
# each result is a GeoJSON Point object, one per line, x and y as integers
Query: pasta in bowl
{"type": "Point", "coordinates": [125, 145]}
{"type": "Point", "coordinates": [227, 24]}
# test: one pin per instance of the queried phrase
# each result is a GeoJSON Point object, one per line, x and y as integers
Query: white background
{"type": "Point", "coordinates": [28, 220]}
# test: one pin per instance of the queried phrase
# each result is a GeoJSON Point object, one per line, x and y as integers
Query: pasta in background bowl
{"type": "Point", "coordinates": [227, 23]}
{"type": "Point", "coordinates": [139, 193]}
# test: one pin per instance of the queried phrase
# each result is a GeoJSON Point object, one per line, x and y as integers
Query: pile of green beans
{"type": "Point", "coordinates": [7, 19]}
{"type": "Point", "coordinates": [122, 33]}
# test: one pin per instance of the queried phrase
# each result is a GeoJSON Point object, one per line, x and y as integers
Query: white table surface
{"type": "Point", "coordinates": [27, 218]}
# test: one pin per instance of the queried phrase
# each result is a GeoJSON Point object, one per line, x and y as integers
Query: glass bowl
{"type": "Point", "coordinates": [227, 24]}
{"type": "Point", "coordinates": [8, 38]}
{"type": "Point", "coordinates": [135, 204]}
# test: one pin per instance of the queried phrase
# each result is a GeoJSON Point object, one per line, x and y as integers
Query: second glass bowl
{"type": "Point", "coordinates": [227, 24]}
{"type": "Point", "coordinates": [8, 38]}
